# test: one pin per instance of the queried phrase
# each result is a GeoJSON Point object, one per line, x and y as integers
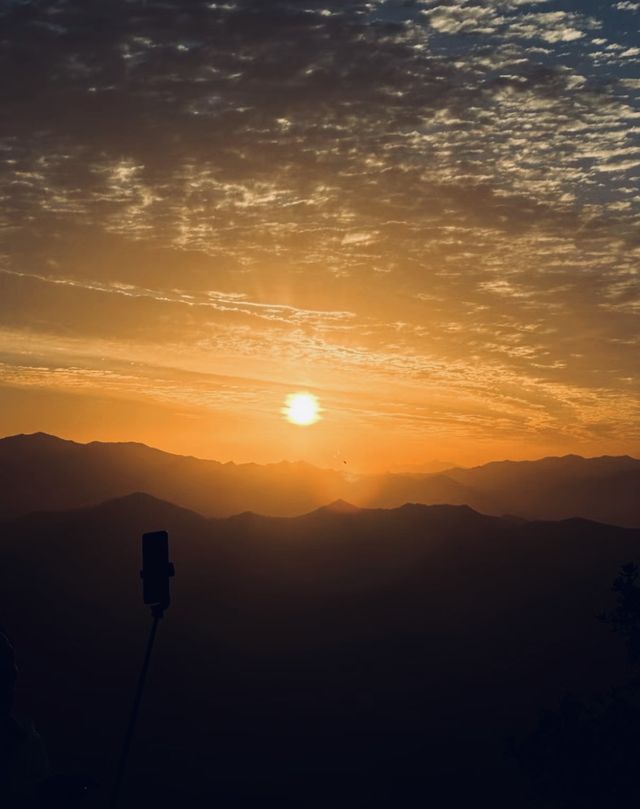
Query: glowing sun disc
{"type": "Point", "coordinates": [302, 409]}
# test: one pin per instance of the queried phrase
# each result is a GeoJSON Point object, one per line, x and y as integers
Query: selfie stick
{"type": "Point", "coordinates": [155, 574]}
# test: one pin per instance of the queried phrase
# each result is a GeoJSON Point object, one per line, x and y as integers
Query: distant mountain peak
{"type": "Point", "coordinates": [340, 507]}
{"type": "Point", "coordinates": [443, 508]}
{"type": "Point", "coordinates": [36, 438]}
{"type": "Point", "coordinates": [140, 503]}
{"type": "Point", "coordinates": [138, 497]}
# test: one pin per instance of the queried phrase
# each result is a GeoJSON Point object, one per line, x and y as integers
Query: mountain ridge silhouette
{"type": "Point", "coordinates": [43, 472]}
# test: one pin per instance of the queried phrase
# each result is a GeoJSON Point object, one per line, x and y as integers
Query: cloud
{"type": "Point", "coordinates": [303, 177]}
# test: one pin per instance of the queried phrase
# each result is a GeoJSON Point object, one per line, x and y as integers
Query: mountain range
{"type": "Point", "coordinates": [353, 641]}
{"type": "Point", "coordinates": [351, 656]}
{"type": "Point", "coordinates": [42, 472]}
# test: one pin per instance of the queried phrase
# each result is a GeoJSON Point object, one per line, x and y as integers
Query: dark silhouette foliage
{"type": "Point", "coordinates": [625, 617]}
{"type": "Point", "coordinates": [584, 755]}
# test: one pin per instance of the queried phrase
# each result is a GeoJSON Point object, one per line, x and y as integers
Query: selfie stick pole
{"type": "Point", "coordinates": [157, 611]}
{"type": "Point", "coordinates": [122, 764]}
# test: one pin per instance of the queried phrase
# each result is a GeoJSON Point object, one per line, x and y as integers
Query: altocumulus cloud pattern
{"type": "Point", "coordinates": [228, 178]}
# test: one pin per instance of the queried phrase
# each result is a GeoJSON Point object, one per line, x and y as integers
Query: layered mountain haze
{"type": "Point", "coordinates": [376, 636]}
{"type": "Point", "coordinates": [605, 489]}
{"type": "Point", "coordinates": [42, 472]}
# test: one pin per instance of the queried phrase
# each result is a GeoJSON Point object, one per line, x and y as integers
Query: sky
{"type": "Point", "coordinates": [427, 214]}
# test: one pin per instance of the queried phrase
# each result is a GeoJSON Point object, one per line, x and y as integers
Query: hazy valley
{"type": "Point", "coordinates": [41, 472]}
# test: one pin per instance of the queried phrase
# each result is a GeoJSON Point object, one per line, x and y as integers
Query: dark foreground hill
{"type": "Point", "coordinates": [43, 472]}
{"type": "Point", "coordinates": [344, 658]}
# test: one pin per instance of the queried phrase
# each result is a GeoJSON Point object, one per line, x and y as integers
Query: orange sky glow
{"type": "Point", "coordinates": [204, 215]}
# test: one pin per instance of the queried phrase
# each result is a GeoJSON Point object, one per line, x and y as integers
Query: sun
{"type": "Point", "coordinates": [302, 409]}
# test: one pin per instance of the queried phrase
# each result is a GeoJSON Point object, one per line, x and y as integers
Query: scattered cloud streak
{"type": "Point", "coordinates": [439, 196]}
